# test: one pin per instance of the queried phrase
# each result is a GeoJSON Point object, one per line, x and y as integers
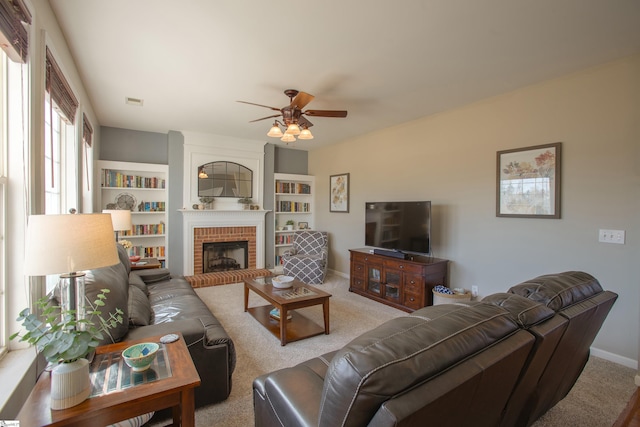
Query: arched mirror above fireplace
{"type": "Point", "coordinates": [224, 179]}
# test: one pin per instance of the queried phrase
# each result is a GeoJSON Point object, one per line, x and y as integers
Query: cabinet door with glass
{"type": "Point", "coordinates": [392, 290]}
{"type": "Point", "coordinates": [374, 279]}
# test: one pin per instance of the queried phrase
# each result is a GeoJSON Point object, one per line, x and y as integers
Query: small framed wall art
{"type": "Point", "coordinates": [339, 193]}
{"type": "Point", "coordinates": [528, 182]}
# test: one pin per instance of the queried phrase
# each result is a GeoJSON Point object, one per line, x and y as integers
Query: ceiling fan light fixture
{"type": "Point", "coordinates": [293, 129]}
{"type": "Point", "coordinates": [275, 131]}
{"type": "Point", "coordinates": [287, 137]}
{"type": "Point", "coordinates": [305, 134]}
{"type": "Point", "coordinates": [202, 174]}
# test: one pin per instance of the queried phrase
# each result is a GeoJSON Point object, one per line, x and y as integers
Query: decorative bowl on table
{"type": "Point", "coordinates": [134, 258]}
{"type": "Point", "coordinates": [140, 356]}
{"type": "Point", "coordinates": [282, 281]}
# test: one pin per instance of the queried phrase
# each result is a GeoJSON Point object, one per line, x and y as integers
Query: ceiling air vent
{"type": "Point", "coordinates": [134, 101]}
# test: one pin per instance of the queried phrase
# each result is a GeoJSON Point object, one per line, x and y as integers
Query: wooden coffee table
{"type": "Point", "coordinates": [174, 391]}
{"type": "Point", "coordinates": [287, 300]}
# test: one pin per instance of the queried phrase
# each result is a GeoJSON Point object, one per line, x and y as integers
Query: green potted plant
{"type": "Point", "coordinates": [289, 224]}
{"type": "Point", "coordinates": [65, 341]}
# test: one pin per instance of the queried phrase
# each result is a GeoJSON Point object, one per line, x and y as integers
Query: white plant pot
{"type": "Point", "coordinates": [70, 384]}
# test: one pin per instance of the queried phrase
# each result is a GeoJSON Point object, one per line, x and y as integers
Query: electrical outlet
{"type": "Point", "coordinates": [611, 236]}
{"type": "Point", "coordinates": [474, 291]}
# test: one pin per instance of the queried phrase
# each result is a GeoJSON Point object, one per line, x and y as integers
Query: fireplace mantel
{"type": "Point", "coordinates": [192, 219]}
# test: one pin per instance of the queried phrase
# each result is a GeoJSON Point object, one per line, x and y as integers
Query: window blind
{"type": "Point", "coordinates": [14, 38]}
{"type": "Point", "coordinates": [59, 89]}
{"type": "Point", "coordinates": [87, 130]}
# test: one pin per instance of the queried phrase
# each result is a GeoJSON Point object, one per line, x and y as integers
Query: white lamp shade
{"type": "Point", "coordinates": [120, 218]}
{"type": "Point", "coordinates": [57, 244]}
{"type": "Point", "coordinates": [305, 134]}
{"type": "Point", "coordinates": [293, 129]}
{"type": "Point", "coordinates": [274, 132]}
{"type": "Point", "coordinates": [287, 137]}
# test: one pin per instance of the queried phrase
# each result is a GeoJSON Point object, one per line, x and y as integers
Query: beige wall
{"type": "Point", "coordinates": [450, 159]}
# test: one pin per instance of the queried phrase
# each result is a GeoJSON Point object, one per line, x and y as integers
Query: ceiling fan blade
{"type": "Point", "coordinates": [260, 105]}
{"type": "Point", "coordinates": [303, 122]}
{"type": "Point", "coordinates": [265, 118]}
{"type": "Point", "coordinates": [301, 100]}
{"type": "Point", "coordinates": [326, 113]}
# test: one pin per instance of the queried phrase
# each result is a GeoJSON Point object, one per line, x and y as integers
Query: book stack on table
{"type": "Point", "coordinates": [275, 313]}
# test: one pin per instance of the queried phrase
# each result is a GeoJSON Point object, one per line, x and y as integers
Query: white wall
{"type": "Point", "coordinates": [450, 159]}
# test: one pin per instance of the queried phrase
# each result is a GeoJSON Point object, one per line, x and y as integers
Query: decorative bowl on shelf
{"type": "Point", "coordinates": [140, 356]}
{"type": "Point", "coordinates": [134, 258]}
{"type": "Point", "coordinates": [282, 281]}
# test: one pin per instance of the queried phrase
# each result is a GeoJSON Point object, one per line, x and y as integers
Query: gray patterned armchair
{"type": "Point", "coordinates": [308, 258]}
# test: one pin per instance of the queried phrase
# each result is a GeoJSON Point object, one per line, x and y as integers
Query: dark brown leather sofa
{"type": "Point", "coordinates": [154, 303]}
{"type": "Point", "coordinates": [504, 360]}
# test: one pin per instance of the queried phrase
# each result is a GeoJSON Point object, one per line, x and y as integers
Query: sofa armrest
{"type": "Point", "coordinates": [292, 396]}
{"type": "Point", "coordinates": [154, 275]}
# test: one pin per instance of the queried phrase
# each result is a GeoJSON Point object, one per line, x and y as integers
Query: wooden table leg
{"type": "Point", "coordinates": [188, 405]}
{"type": "Point", "coordinates": [283, 326]}
{"type": "Point", "coordinates": [325, 309]}
{"type": "Point", "coordinates": [176, 411]}
{"type": "Point", "coordinates": [246, 297]}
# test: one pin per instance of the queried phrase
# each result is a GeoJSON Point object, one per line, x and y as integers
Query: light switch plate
{"type": "Point", "coordinates": [611, 236]}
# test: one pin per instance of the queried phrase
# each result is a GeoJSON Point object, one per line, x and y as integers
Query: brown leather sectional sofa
{"type": "Point", "coordinates": [502, 361]}
{"type": "Point", "coordinates": [157, 304]}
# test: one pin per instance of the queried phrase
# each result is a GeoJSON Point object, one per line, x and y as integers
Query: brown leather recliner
{"type": "Point", "coordinates": [494, 362]}
{"type": "Point", "coordinates": [582, 306]}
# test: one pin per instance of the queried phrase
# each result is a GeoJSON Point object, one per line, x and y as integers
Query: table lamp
{"type": "Point", "coordinates": [66, 245]}
{"type": "Point", "coordinates": [121, 219]}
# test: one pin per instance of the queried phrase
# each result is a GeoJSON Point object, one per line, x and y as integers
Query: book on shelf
{"type": "Point", "coordinates": [112, 178]}
{"type": "Point", "coordinates": [275, 313]}
{"type": "Point", "coordinates": [283, 187]}
{"type": "Point", "coordinates": [286, 206]}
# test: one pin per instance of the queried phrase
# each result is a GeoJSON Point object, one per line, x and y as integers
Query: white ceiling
{"type": "Point", "coordinates": [385, 62]}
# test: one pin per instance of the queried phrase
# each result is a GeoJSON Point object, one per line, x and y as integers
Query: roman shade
{"type": "Point", "coordinates": [59, 89]}
{"type": "Point", "coordinates": [87, 130]}
{"type": "Point", "coordinates": [14, 37]}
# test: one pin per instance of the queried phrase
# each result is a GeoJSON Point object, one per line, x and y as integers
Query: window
{"type": "Point", "coordinates": [14, 98]}
{"type": "Point", "coordinates": [3, 206]}
{"type": "Point", "coordinates": [61, 148]}
{"type": "Point", "coordinates": [61, 154]}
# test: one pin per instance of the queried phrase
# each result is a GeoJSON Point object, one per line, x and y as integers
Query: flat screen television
{"type": "Point", "coordinates": [401, 226]}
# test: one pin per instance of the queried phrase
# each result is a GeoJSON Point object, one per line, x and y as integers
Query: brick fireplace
{"type": "Point", "coordinates": [204, 235]}
{"type": "Point", "coordinates": [201, 226]}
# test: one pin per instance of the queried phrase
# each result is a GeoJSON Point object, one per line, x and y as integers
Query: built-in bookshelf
{"type": "Point", "coordinates": [294, 202]}
{"type": "Point", "coordinates": [141, 188]}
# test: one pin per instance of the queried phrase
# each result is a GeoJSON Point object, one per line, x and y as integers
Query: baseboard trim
{"type": "Point", "coordinates": [615, 358]}
{"type": "Point", "coordinates": [339, 273]}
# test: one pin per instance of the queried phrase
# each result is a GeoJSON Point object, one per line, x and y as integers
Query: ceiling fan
{"type": "Point", "coordinates": [293, 119]}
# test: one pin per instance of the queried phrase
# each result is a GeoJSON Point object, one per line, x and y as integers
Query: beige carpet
{"type": "Point", "coordinates": [599, 396]}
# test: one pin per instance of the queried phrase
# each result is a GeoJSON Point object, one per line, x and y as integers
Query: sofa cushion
{"type": "Point", "coordinates": [560, 290]}
{"type": "Point", "coordinates": [403, 353]}
{"type": "Point", "coordinates": [139, 307]}
{"type": "Point", "coordinates": [116, 279]}
{"type": "Point", "coordinates": [124, 258]}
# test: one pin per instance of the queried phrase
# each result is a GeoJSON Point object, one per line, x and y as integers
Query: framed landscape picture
{"type": "Point", "coordinates": [528, 182]}
{"type": "Point", "coordinates": [339, 193]}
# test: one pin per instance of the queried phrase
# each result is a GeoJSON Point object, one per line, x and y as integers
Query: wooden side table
{"type": "Point", "coordinates": [146, 263]}
{"type": "Point", "coordinates": [174, 392]}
